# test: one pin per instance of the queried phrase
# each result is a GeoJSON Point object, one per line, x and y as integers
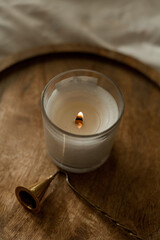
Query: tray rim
{"type": "Point", "coordinates": [132, 62]}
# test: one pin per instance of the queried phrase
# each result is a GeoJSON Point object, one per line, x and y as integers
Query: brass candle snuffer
{"type": "Point", "coordinates": [31, 197]}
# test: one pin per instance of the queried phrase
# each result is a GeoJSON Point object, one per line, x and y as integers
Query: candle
{"type": "Point", "coordinates": [80, 119]}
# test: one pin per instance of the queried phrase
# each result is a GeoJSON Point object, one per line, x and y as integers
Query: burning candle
{"type": "Point", "coordinates": [81, 111]}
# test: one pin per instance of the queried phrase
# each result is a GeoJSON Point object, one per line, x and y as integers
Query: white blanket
{"type": "Point", "coordinates": [130, 27]}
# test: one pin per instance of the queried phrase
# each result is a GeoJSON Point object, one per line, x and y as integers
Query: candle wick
{"type": "Point", "coordinates": [79, 120]}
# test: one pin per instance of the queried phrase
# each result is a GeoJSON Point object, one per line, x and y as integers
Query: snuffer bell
{"type": "Point", "coordinates": [31, 197]}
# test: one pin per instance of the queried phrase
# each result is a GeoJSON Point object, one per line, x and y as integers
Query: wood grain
{"type": "Point", "coordinates": [127, 186]}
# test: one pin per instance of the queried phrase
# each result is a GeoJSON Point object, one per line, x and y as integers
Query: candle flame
{"type": "Point", "coordinates": [79, 119]}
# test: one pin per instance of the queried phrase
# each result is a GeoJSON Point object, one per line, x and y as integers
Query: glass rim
{"type": "Point", "coordinates": [105, 132]}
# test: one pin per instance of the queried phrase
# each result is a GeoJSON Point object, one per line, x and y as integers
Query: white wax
{"type": "Point", "coordinates": [99, 108]}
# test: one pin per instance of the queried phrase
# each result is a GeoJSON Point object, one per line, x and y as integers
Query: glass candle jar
{"type": "Point", "coordinates": [81, 143]}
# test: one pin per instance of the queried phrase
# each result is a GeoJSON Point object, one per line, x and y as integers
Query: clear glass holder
{"type": "Point", "coordinates": [73, 152]}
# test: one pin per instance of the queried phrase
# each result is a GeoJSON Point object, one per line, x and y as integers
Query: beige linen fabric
{"type": "Point", "coordinates": [130, 27]}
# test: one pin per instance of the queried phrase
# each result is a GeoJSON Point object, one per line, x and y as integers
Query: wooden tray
{"type": "Point", "coordinates": [127, 186]}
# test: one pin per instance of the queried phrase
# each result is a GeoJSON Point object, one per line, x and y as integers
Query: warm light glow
{"type": "Point", "coordinates": [79, 119]}
{"type": "Point", "coordinates": [80, 115]}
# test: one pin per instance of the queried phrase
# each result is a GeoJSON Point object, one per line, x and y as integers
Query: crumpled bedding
{"type": "Point", "coordinates": [129, 27]}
